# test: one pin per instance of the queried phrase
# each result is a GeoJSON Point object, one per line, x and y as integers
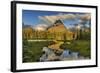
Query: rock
{"type": "Point", "coordinates": [47, 50]}
{"type": "Point", "coordinates": [43, 58]}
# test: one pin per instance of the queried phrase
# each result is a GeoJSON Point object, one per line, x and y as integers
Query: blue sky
{"type": "Point", "coordinates": [31, 17]}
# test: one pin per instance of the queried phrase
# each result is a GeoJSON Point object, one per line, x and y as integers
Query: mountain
{"type": "Point", "coordinates": [61, 32]}
{"type": "Point", "coordinates": [58, 27]}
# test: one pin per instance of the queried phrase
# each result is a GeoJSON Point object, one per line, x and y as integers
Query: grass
{"type": "Point", "coordinates": [81, 46]}
{"type": "Point", "coordinates": [33, 50]}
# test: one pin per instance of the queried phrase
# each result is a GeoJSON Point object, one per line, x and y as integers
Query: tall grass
{"type": "Point", "coordinates": [33, 50]}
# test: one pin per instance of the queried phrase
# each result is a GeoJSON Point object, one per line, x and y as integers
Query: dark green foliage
{"type": "Point", "coordinates": [83, 35]}
{"type": "Point", "coordinates": [64, 37]}
{"type": "Point", "coordinates": [86, 36]}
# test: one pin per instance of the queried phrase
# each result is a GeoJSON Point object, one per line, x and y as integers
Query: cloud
{"type": "Point", "coordinates": [70, 16]}
{"type": "Point", "coordinates": [41, 27]}
{"type": "Point", "coordinates": [85, 17]}
{"type": "Point", "coordinates": [49, 20]}
{"type": "Point", "coordinates": [52, 18]}
{"type": "Point", "coordinates": [44, 20]}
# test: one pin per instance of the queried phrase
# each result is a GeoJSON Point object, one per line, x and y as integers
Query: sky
{"type": "Point", "coordinates": [45, 18]}
{"type": "Point", "coordinates": [31, 17]}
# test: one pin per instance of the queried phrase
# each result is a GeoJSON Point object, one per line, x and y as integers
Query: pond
{"type": "Point", "coordinates": [50, 55]}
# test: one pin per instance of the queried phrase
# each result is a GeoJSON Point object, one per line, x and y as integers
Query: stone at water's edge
{"type": "Point", "coordinates": [43, 58]}
{"type": "Point", "coordinates": [51, 57]}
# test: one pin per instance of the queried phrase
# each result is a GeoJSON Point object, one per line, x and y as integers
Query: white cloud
{"type": "Point", "coordinates": [41, 27]}
{"type": "Point", "coordinates": [52, 18]}
{"type": "Point", "coordinates": [49, 20]}
{"type": "Point", "coordinates": [45, 20]}
{"type": "Point", "coordinates": [86, 17]}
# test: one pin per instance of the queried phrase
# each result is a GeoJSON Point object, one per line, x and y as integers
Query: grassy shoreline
{"type": "Point", "coordinates": [81, 46]}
